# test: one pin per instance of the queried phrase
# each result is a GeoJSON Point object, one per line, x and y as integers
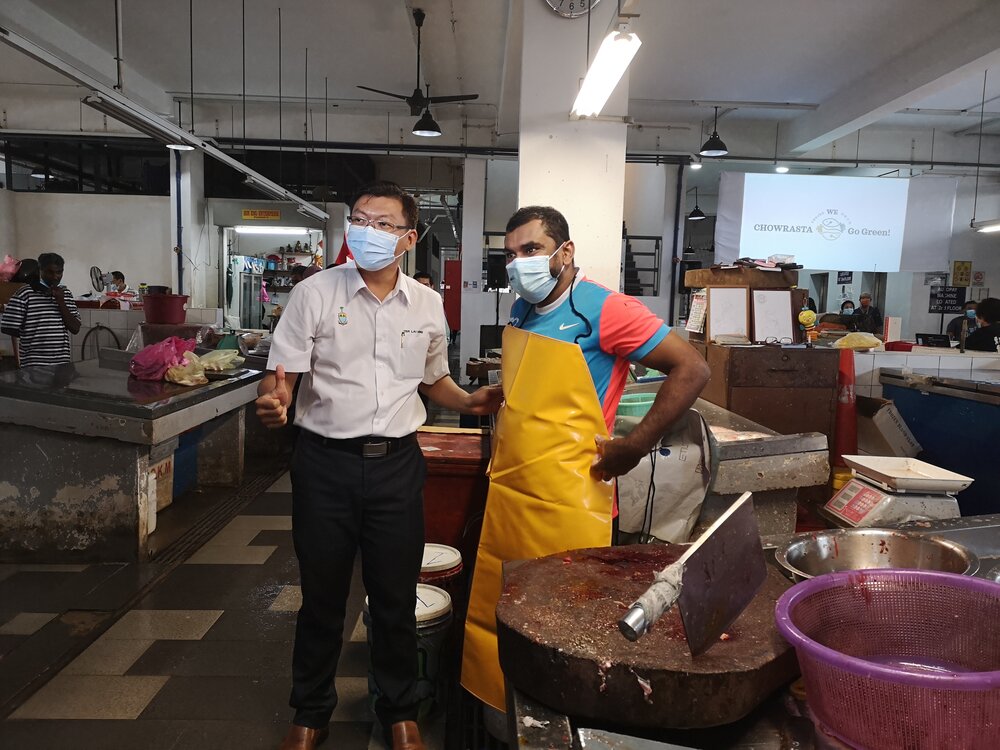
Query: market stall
{"type": "Point", "coordinates": [83, 446]}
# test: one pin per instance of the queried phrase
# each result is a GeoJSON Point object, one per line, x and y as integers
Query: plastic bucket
{"type": "Point", "coordinates": [434, 619]}
{"type": "Point", "coordinates": [442, 567]}
{"type": "Point", "coordinates": [164, 308]}
{"type": "Point", "coordinates": [635, 404]}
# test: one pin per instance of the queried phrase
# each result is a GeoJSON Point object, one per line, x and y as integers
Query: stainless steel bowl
{"type": "Point", "coordinates": [814, 553]}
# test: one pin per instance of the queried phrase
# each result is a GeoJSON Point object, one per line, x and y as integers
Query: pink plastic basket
{"type": "Point", "coordinates": [899, 658]}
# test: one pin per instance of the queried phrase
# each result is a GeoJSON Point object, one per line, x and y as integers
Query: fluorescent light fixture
{"type": "Point", "coordinates": [991, 225]}
{"type": "Point", "coordinates": [114, 104]}
{"type": "Point", "coordinates": [38, 175]}
{"type": "Point", "coordinates": [696, 165]}
{"type": "Point", "coordinates": [781, 169]}
{"type": "Point", "coordinates": [426, 126]}
{"type": "Point", "coordinates": [270, 230]}
{"type": "Point", "coordinates": [607, 69]}
{"type": "Point", "coordinates": [113, 109]}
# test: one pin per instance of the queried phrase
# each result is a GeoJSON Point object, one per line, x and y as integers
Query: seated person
{"type": "Point", "coordinates": [987, 335]}
{"type": "Point", "coordinates": [118, 284]}
{"type": "Point", "coordinates": [954, 329]}
{"type": "Point", "coordinates": [847, 315]}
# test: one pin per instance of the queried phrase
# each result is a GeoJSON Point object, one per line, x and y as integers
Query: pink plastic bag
{"type": "Point", "coordinates": [153, 362]}
{"type": "Point", "coordinates": [8, 268]}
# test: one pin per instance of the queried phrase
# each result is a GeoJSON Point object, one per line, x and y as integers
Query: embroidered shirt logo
{"type": "Point", "coordinates": [564, 327]}
{"type": "Point", "coordinates": [342, 317]}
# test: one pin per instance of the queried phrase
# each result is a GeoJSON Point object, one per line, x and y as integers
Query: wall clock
{"type": "Point", "coordinates": [572, 8]}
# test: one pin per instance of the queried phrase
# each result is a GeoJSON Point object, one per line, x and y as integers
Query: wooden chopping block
{"type": "Point", "coordinates": [559, 643]}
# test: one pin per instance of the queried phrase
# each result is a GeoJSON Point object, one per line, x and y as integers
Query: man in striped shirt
{"type": "Point", "coordinates": [42, 315]}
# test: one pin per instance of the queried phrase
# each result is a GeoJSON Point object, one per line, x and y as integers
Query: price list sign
{"type": "Point", "coordinates": [946, 299]}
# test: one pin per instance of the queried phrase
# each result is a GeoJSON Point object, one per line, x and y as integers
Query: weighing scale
{"type": "Point", "coordinates": [888, 490]}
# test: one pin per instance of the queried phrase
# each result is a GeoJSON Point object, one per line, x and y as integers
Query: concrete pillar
{"type": "Point", "coordinates": [200, 268]}
{"type": "Point", "coordinates": [577, 167]}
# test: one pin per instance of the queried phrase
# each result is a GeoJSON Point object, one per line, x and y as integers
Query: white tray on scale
{"type": "Point", "coordinates": [900, 474]}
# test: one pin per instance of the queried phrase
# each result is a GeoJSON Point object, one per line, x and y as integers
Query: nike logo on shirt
{"type": "Point", "coordinates": [563, 326]}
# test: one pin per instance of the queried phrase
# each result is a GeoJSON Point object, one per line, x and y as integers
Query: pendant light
{"type": "Point", "coordinates": [992, 225]}
{"type": "Point", "coordinates": [426, 126]}
{"type": "Point", "coordinates": [714, 145]}
{"type": "Point", "coordinates": [697, 214]}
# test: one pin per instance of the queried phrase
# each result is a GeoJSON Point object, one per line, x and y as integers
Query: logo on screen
{"type": "Point", "coordinates": [830, 224]}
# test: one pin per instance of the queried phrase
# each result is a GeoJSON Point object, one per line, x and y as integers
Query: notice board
{"type": "Point", "coordinates": [728, 311]}
{"type": "Point", "coordinates": [946, 299]}
{"type": "Point", "coordinates": [772, 315]}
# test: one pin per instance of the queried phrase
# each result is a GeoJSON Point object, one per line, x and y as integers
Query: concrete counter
{"type": "Point", "coordinates": [79, 451]}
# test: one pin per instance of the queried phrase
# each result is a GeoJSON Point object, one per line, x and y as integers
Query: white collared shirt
{"type": "Point", "coordinates": [363, 359]}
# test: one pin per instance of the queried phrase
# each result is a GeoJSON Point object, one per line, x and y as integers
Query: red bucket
{"type": "Point", "coordinates": [164, 308]}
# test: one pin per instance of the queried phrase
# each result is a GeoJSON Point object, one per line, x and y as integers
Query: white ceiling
{"type": "Point", "coordinates": [884, 59]}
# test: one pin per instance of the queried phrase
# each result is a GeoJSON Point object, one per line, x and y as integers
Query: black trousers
{"type": "Point", "coordinates": [342, 502]}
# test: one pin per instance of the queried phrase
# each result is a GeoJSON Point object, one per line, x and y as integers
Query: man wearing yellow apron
{"type": "Point", "coordinates": [565, 361]}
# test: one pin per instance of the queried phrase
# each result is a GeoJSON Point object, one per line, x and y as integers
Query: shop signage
{"type": "Point", "coordinates": [961, 272]}
{"type": "Point", "coordinates": [845, 277]}
{"type": "Point", "coordinates": [979, 278]}
{"type": "Point", "coordinates": [936, 278]}
{"type": "Point", "coordinates": [261, 214]}
{"type": "Point", "coordinates": [947, 299]}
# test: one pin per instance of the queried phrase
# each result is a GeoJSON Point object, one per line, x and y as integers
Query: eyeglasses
{"type": "Point", "coordinates": [380, 224]}
{"type": "Point", "coordinates": [776, 341]}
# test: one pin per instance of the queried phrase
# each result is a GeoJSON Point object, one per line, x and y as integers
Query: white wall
{"type": "Point", "coordinates": [127, 233]}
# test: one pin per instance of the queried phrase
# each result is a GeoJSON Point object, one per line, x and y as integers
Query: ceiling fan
{"type": "Point", "coordinates": [418, 101]}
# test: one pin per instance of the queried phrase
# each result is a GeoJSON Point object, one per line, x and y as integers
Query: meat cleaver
{"type": "Point", "coordinates": [712, 582]}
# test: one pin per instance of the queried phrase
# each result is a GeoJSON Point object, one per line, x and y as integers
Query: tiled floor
{"type": "Point", "coordinates": [203, 659]}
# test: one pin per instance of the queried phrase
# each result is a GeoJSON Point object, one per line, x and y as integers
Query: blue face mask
{"type": "Point", "coordinates": [847, 311]}
{"type": "Point", "coordinates": [971, 314]}
{"type": "Point", "coordinates": [531, 277]}
{"type": "Point", "coordinates": [372, 248]}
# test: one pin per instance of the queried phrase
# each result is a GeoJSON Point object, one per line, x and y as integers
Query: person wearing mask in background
{"type": "Point", "coordinates": [968, 315]}
{"type": "Point", "coordinates": [867, 318]}
{"type": "Point", "coordinates": [42, 316]}
{"type": "Point", "coordinates": [612, 329]}
{"type": "Point", "coordinates": [987, 335]}
{"type": "Point", "coordinates": [847, 318]}
{"type": "Point", "coordinates": [118, 284]}
{"type": "Point", "coordinates": [366, 338]}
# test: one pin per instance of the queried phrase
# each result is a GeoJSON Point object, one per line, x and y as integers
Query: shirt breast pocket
{"type": "Point", "coordinates": [413, 346]}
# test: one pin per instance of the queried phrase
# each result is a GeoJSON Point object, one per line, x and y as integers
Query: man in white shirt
{"type": "Point", "coordinates": [365, 338]}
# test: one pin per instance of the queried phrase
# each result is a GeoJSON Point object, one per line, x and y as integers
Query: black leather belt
{"type": "Point", "coordinates": [368, 446]}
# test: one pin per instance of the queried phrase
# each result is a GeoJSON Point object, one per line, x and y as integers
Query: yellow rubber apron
{"type": "Point", "coordinates": [542, 497]}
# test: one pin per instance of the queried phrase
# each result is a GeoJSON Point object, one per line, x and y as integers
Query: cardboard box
{"type": "Point", "coordinates": [754, 278]}
{"type": "Point", "coordinates": [882, 431]}
{"type": "Point", "coordinates": [7, 289]}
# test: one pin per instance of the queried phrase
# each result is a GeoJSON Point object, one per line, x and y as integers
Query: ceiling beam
{"type": "Point", "coordinates": [33, 22]}
{"type": "Point", "coordinates": [138, 117]}
{"type": "Point", "coordinates": [969, 46]}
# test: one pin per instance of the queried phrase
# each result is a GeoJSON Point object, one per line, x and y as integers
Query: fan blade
{"type": "Point", "coordinates": [455, 98]}
{"type": "Point", "coordinates": [404, 97]}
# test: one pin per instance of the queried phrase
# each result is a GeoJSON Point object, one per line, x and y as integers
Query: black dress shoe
{"type": "Point", "coordinates": [406, 736]}
{"type": "Point", "coordinates": [304, 738]}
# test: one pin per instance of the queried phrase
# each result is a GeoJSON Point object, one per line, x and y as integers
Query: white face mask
{"type": "Point", "coordinates": [531, 277]}
{"type": "Point", "coordinates": [372, 248]}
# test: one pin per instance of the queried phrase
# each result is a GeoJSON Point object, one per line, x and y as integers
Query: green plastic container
{"type": "Point", "coordinates": [635, 404]}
